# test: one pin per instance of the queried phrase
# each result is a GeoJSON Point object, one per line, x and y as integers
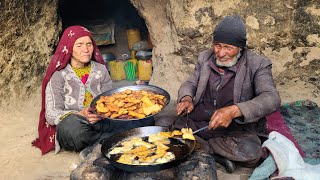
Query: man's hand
{"type": "Point", "coordinates": [223, 117]}
{"type": "Point", "coordinates": [92, 118]}
{"type": "Point", "coordinates": [186, 103]}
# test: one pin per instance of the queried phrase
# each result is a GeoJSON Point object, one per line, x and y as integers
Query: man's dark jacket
{"type": "Point", "coordinates": [254, 89]}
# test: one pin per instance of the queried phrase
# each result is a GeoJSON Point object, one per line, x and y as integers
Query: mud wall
{"type": "Point", "coordinates": [285, 31]}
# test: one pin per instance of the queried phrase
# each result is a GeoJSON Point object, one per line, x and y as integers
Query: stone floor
{"type": "Point", "coordinates": [241, 173]}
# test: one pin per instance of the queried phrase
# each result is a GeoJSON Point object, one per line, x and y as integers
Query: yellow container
{"type": "Point", "coordinates": [133, 36]}
{"type": "Point", "coordinates": [117, 70]}
{"type": "Point", "coordinates": [145, 70]}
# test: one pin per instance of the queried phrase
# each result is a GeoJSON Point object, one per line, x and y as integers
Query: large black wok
{"type": "Point", "coordinates": [180, 148]}
{"type": "Point", "coordinates": [154, 89]}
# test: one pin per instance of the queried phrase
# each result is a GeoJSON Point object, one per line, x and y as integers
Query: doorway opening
{"type": "Point", "coordinates": [120, 33]}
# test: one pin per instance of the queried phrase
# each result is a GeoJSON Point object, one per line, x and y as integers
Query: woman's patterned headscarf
{"type": "Point", "coordinates": [60, 59]}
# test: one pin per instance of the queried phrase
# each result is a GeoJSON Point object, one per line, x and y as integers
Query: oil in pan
{"type": "Point", "coordinates": [178, 147]}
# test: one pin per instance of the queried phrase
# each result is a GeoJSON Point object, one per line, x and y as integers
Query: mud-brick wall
{"type": "Point", "coordinates": [287, 31]}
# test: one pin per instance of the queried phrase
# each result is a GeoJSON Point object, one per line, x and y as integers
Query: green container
{"type": "Point", "coordinates": [130, 70]}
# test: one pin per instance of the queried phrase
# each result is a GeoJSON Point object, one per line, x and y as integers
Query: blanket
{"type": "Point", "coordinates": [275, 122]}
{"type": "Point", "coordinates": [299, 122]}
{"type": "Point", "coordinates": [286, 161]}
{"type": "Point", "coordinates": [304, 123]}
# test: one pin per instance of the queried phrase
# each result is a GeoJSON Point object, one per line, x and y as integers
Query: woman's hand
{"type": "Point", "coordinates": [223, 117]}
{"type": "Point", "coordinates": [92, 118]}
{"type": "Point", "coordinates": [186, 103]}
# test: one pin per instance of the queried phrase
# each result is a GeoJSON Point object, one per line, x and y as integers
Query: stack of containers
{"type": "Point", "coordinates": [144, 65]}
{"type": "Point", "coordinates": [117, 71]}
{"type": "Point", "coordinates": [140, 60]}
{"type": "Point", "coordinates": [133, 36]}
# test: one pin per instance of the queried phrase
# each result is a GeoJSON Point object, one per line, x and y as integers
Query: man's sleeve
{"type": "Point", "coordinates": [267, 98]}
{"type": "Point", "coordinates": [189, 87]}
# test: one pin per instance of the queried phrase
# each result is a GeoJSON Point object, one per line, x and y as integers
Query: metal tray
{"type": "Point", "coordinates": [154, 89]}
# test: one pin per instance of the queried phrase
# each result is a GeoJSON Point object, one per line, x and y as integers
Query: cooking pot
{"type": "Point", "coordinates": [143, 55]}
{"type": "Point", "coordinates": [108, 56]}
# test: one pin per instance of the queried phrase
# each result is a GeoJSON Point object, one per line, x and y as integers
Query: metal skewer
{"type": "Point", "coordinates": [198, 130]}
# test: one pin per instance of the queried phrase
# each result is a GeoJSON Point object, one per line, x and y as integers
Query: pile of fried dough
{"type": "Point", "coordinates": [154, 151]}
{"type": "Point", "coordinates": [130, 104]}
{"type": "Point", "coordinates": [186, 133]}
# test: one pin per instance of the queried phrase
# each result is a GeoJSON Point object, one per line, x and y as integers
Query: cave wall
{"type": "Point", "coordinates": [28, 35]}
{"type": "Point", "coordinates": [287, 31]}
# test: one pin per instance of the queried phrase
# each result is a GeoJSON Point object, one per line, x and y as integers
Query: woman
{"type": "Point", "coordinates": [70, 83]}
{"type": "Point", "coordinates": [75, 75]}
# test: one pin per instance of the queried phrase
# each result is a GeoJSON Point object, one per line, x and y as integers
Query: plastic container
{"type": "Point", "coordinates": [145, 70]}
{"type": "Point", "coordinates": [135, 64]}
{"type": "Point", "coordinates": [117, 71]}
{"type": "Point", "coordinates": [130, 69]}
{"type": "Point", "coordinates": [135, 61]}
{"type": "Point", "coordinates": [133, 36]}
{"type": "Point", "coordinates": [107, 57]}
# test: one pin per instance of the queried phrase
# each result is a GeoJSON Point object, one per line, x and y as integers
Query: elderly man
{"type": "Point", "coordinates": [231, 89]}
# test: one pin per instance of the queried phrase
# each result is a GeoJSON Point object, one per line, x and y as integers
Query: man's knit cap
{"type": "Point", "coordinates": [231, 30]}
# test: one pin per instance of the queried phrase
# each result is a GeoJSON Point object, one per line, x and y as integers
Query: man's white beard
{"type": "Point", "coordinates": [229, 63]}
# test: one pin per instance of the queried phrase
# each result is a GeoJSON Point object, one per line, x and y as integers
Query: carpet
{"type": "Point", "coordinates": [300, 122]}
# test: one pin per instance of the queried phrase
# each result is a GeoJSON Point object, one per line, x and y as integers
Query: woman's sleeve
{"type": "Point", "coordinates": [106, 82]}
{"type": "Point", "coordinates": [54, 100]}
